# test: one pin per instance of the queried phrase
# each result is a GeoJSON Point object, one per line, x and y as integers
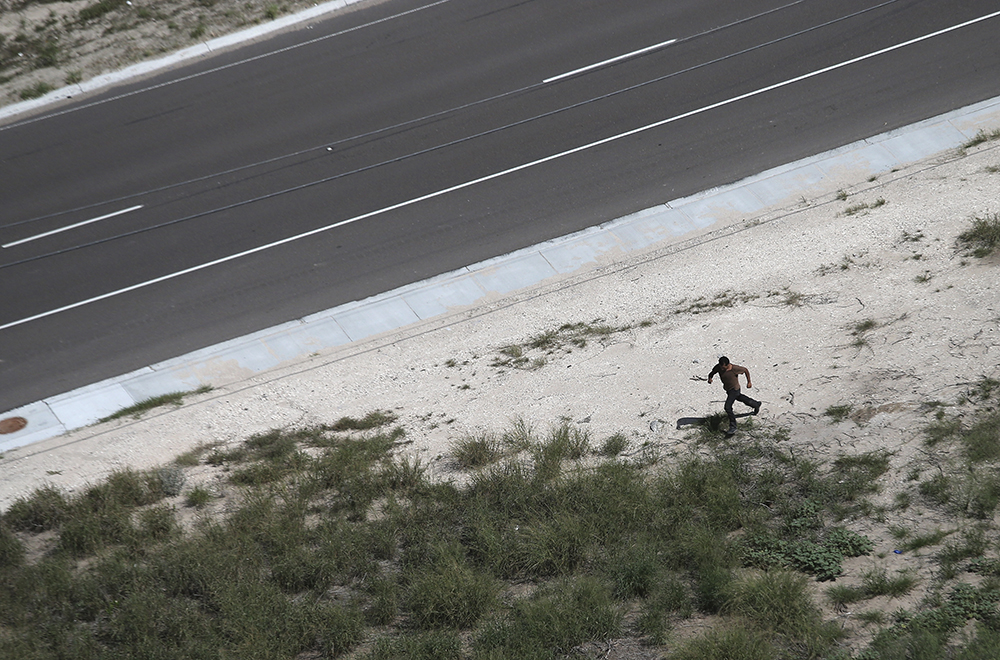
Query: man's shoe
{"type": "Point", "coordinates": [730, 432]}
{"type": "Point", "coordinates": [756, 409]}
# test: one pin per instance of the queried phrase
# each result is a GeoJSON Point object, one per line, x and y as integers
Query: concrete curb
{"type": "Point", "coordinates": [245, 357]}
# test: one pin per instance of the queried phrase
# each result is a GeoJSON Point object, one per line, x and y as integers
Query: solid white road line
{"type": "Point", "coordinates": [79, 224]}
{"type": "Point", "coordinates": [497, 175]}
{"type": "Point", "coordinates": [607, 62]}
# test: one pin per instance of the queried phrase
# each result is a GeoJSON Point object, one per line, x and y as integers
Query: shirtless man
{"type": "Point", "coordinates": [729, 374]}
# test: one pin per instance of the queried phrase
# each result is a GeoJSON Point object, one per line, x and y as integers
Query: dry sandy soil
{"type": "Point", "coordinates": [784, 295]}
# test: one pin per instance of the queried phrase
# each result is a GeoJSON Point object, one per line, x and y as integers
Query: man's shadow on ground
{"type": "Point", "coordinates": [706, 421]}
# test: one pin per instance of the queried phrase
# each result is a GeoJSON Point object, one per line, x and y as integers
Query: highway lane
{"type": "Point", "coordinates": [332, 131]}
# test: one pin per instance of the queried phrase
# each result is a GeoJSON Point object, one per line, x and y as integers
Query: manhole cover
{"type": "Point", "coordinates": [12, 424]}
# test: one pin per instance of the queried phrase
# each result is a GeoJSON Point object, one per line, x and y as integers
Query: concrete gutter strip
{"type": "Point", "coordinates": [653, 228]}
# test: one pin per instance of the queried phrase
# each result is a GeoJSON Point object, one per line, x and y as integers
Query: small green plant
{"type": "Point", "coordinates": [668, 597]}
{"type": "Point", "coordinates": [171, 479]}
{"type": "Point", "coordinates": [983, 390]}
{"type": "Point", "coordinates": [559, 616]}
{"type": "Point", "coordinates": [37, 90]}
{"type": "Point", "coordinates": [983, 238]}
{"type": "Point", "coordinates": [942, 429]}
{"type": "Point", "coordinates": [98, 9]}
{"type": "Point", "coordinates": [198, 497]}
{"type": "Point", "coordinates": [876, 582]}
{"type": "Point", "coordinates": [728, 642]}
{"type": "Point", "coordinates": [721, 300]}
{"type": "Point", "coordinates": [925, 540]}
{"type": "Point", "coordinates": [860, 329]}
{"type": "Point", "coordinates": [44, 509]}
{"type": "Point", "coordinates": [191, 458]}
{"type": "Point", "coordinates": [838, 413]}
{"type": "Point", "coordinates": [790, 298]}
{"type": "Point", "coordinates": [937, 489]}
{"type": "Point", "coordinates": [778, 601]}
{"type": "Point", "coordinates": [11, 549]}
{"type": "Point", "coordinates": [863, 206]}
{"type": "Point", "coordinates": [477, 451]}
{"type": "Point", "coordinates": [980, 137]}
{"type": "Point", "coordinates": [511, 355]}
{"type": "Point", "coordinates": [613, 445]}
{"type": "Point", "coordinates": [872, 617]}
{"type": "Point", "coordinates": [842, 595]}
{"type": "Point", "coordinates": [450, 595]}
{"type": "Point", "coordinates": [924, 277]}
{"type": "Point", "coordinates": [272, 12]}
{"type": "Point", "coordinates": [373, 420]}
{"type": "Point", "coordinates": [980, 440]}
{"type": "Point", "coordinates": [431, 645]}
{"type": "Point", "coordinates": [564, 442]}
{"type": "Point", "coordinates": [565, 338]}
{"type": "Point", "coordinates": [171, 398]}
{"type": "Point", "coordinates": [519, 436]}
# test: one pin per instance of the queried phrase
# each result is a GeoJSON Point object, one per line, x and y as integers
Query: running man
{"type": "Point", "coordinates": [729, 374]}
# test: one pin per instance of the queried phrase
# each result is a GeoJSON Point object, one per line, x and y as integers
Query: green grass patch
{"type": "Point", "coordinates": [838, 413]}
{"type": "Point", "coordinates": [334, 537]}
{"type": "Point", "coordinates": [613, 445]}
{"type": "Point", "coordinates": [982, 239]}
{"type": "Point", "coordinates": [99, 9]}
{"type": "Point", "coordinates": [171, 398]}
{"type": "Point", "coordinates": [981, 137]}
{"type": "Point", "coordinates": [473, 452]}
{"type": "Point", "coordinates": [723, 300]}
{"type": "Point", "coordinates": [863, 206]}
{"type": "Point", "coordinates": [536, 351]}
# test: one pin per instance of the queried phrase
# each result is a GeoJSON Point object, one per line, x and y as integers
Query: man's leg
{"type": "Point", "coordinates": [753, 403]}
{"type": "Point", "coordinates": [731, 396]}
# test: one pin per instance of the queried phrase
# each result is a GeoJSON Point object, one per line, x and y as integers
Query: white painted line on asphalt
{"type": "Point", "coordinates": [79, 224]}
{"type": "Point", "coordinates": [497, 175]}
{"type": "Point", "coordinates": [597, 65]}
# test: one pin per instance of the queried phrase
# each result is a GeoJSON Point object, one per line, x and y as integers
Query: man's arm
{"type": "Point", "coordinates": [712, 373]}
{"type": "Point", "coordinates": [746, 372]}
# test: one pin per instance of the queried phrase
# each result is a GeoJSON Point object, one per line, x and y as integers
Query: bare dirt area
{"type": "Point", "coordinates": [49, 45]}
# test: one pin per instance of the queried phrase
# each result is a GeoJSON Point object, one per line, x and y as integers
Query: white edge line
{"type": "Point", "coordinates": [79, 224]}
{"type": "Point", "coordinates": [607, 62]}
{"type": "Point", "coordinates": [497, 175]}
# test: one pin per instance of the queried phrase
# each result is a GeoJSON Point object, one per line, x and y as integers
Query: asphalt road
{"type": "Point", "coordinates": [409, 138]}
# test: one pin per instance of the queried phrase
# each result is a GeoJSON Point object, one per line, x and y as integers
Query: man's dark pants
{"type": "Point", "coordinates": [737, 395]}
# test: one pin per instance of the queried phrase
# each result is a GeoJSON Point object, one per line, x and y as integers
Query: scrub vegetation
{"type": "Point", "coordinates": [983, 238]}
{"type": "Point", "coordinates": [171, 398]}
{"type": "Point", "coordinates": [45, 45]}
{"type": "Point", "coordinates": [535, 352]}
{"type": "Point", "coordinates": [331, 541]}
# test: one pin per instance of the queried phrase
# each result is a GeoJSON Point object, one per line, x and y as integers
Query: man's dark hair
{"type": "Point", "coordinates": [723, 361]}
